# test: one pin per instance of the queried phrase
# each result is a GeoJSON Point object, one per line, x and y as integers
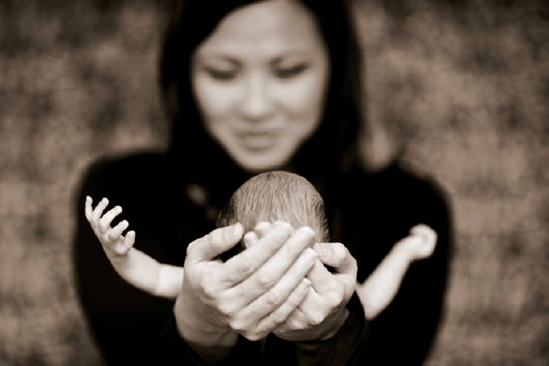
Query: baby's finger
{"type": "Point", "coordinates": [88, 208]}
{"type": "Point", "coordinates": [129, 240]}
{"type": "Point", "coordinates": [262, 228]}
{"type": "Point", "coordinates": [98, 211]}
{"type": "Point", "coordinates": [106, 219]}
{"type": "Point", "coordinates": [115, 232]}
{"type": "Point", "coordinates": [250, 239]}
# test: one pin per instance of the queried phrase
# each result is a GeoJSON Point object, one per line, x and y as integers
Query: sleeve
{"type": "Point", "coordinates": [405, 331]}
{"type": "Point", "coordinates": [173, 351]}
{"type": "Point", "coordinates": [125, 322]}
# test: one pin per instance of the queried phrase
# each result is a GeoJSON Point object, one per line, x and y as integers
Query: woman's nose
{"type": "Point", "coordinates": [256, 101]}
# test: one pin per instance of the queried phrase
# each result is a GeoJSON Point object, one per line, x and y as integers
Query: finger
{"type": "Point", "coordinates": [261, 300]}
{"type": "Point", "coordinates": [296, 321]}
{"type": "Point", "coordinates": [115, 232]}
{"type": "Point", "coordinates": [265, 263]}
{"type": "Point", "coordinates": [340, 259]}
{"type": "Point", "coordinates": [98, 211]}
{"type": "Point", "coordinates": [336, 255]}
{"type": "Point", "coordinates": [241, 266]}
{"type": "Point", "coordinates": [106, 219]}
{"type": "Point", "coordinates": [337, 321]}
{"type": "Point", "coordinates": [215, 243]}
{"type": "Point", "coordinates": [321, 278]}
{"type": "Point", "coordinates": [262, 228]}
{"type": "Point", "coordinates": [129, 240]}
{"type": "Point", "coordinates": [88, 208]}
{"type": "Point", "coordinates": [287, 309]}
{"type": "Point", "coordinates": [250, 239]}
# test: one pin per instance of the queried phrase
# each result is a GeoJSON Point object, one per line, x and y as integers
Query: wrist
{"type": "Point", "coordinates": [212, 343]}
{"type": "Point", "coordinates": [407, 248]}
{"type": "Point", "coordinates": [192, 329]}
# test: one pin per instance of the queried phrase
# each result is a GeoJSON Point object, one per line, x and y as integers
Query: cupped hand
{"type": "Point", "coordinates": [252, 293]}
{"type": "Point", "coordinates": [114, 243]}
{"type": "Point", "coordinates": [323, 312]}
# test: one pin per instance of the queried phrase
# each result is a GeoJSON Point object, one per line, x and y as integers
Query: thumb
{"type": "Point", "coordinates": [215, 243]}
{"type": "Point", "coordinates": [336, 255]}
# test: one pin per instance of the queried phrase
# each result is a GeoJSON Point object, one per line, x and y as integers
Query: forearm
{"type": "Point", "coordinates": [379, 289]}
{"type": "Point", "coordinates": [147, 274]}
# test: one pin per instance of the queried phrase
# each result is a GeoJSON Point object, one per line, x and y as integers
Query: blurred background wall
{"type": "Point", "coordinates": [466, 83]}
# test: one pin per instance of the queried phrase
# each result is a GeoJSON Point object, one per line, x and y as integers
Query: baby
{"type": "Point", "coordinates": [267, 197]}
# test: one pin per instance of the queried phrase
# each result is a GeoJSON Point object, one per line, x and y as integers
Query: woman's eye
{"type": "Point", "coordinates": [290, 72]}
{"type": "Point", "coordinates": [221, 75]}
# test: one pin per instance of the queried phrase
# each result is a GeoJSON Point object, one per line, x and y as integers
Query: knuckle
{"type": "Point", "coordinates": [254, 336]}
{"type": "Point", "coordinates": [274, 299]}
{"type": "Point", "coordinates": [102, 225]}
{"type": "Point", "coordinates": [239, 326]}
{"type": "Point", "coordinates": [208, 289]}
{"type": "Point", "coordinates": [292, 324]}
{"type": "Point", "coordinates": [245, 267]}
{"type": "Point", "coordinates": [316, 318]}
{"type": "Point", "coordinates": [339, 294]}
{"type": "Point", "coordinates": [264, 280]}
{"type": "Point", "coordinates": [227, 309]}
{"type": "Point", "coordinates": [335, 296]}
{"type": "Point", "coordinates": [279, 317]}
{"type": "Point", "coordinates": [111, 236]}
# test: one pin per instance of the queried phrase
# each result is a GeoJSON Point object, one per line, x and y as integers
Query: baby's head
{"type": "Point", "coordinates": [276, 196]}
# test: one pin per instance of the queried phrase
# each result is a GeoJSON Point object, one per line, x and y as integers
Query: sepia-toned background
{"type": "Point", "coordinates": [465, 83]}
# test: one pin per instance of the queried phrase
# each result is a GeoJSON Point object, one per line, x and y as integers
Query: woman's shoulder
{"type": "Point", "coordinates": [110, 175]}
{"type": "Point", "coordinates": [401, 182]}
{"type": "Point", "coordinates": [401, 195]}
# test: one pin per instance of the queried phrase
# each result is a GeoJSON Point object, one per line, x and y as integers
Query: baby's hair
{"type": "Point", "coordinates": [274, 196]}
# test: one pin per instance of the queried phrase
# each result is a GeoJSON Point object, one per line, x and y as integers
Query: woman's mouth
{"type": "Point", "coordinates": [258, 141]}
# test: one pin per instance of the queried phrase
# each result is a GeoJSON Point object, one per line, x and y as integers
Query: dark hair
{"type": "Point", "coordinates": [273, 196]}
{"type": "Point", "coordinates": [322, 157]}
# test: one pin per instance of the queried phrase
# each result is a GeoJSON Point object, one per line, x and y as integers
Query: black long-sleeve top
{"type": "Point", "coordinates": [369, 214]}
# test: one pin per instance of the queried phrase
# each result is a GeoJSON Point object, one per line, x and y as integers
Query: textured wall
{"type": "Point", "coordinates": [466, 83]}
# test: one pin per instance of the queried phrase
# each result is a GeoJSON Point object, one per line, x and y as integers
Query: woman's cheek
{"type": "Point", "coordinates": [304, 96]}
{"type": "Point", "coordinates": [215, 99]}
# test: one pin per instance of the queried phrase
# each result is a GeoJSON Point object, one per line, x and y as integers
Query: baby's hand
{"type": "Point", "coordinates": [114, 243]}
{"type": "Point", "coordinates": [423, 241]}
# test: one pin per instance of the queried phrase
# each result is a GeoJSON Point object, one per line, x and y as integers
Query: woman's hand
{"type": "Point", "coordinates": [250, 294]}
{"type": "Point", "coordinates": [323, 311]}
{"type": "Point", "coordinates": [112, 240]}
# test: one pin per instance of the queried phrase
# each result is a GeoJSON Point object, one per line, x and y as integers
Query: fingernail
{"type": "Point", "coordinates": [235, 232]}
{"type": "Point", "coordinates": [311, 253]}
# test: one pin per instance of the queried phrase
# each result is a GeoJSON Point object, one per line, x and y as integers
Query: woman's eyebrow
{"type": "Point", "coordinates": [219, 57]}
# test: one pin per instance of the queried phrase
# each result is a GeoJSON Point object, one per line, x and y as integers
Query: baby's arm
{"type": "Point", "coordinates": [134, 266]}
{"type": "Point", "coordinates": [377, 292]}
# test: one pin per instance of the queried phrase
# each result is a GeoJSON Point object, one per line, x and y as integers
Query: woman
{"type": "Point", "coordinates": [252, 87]}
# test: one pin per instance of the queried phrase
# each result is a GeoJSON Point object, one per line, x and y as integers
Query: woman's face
{"type": "Point", "coordinates": [260, 80]}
